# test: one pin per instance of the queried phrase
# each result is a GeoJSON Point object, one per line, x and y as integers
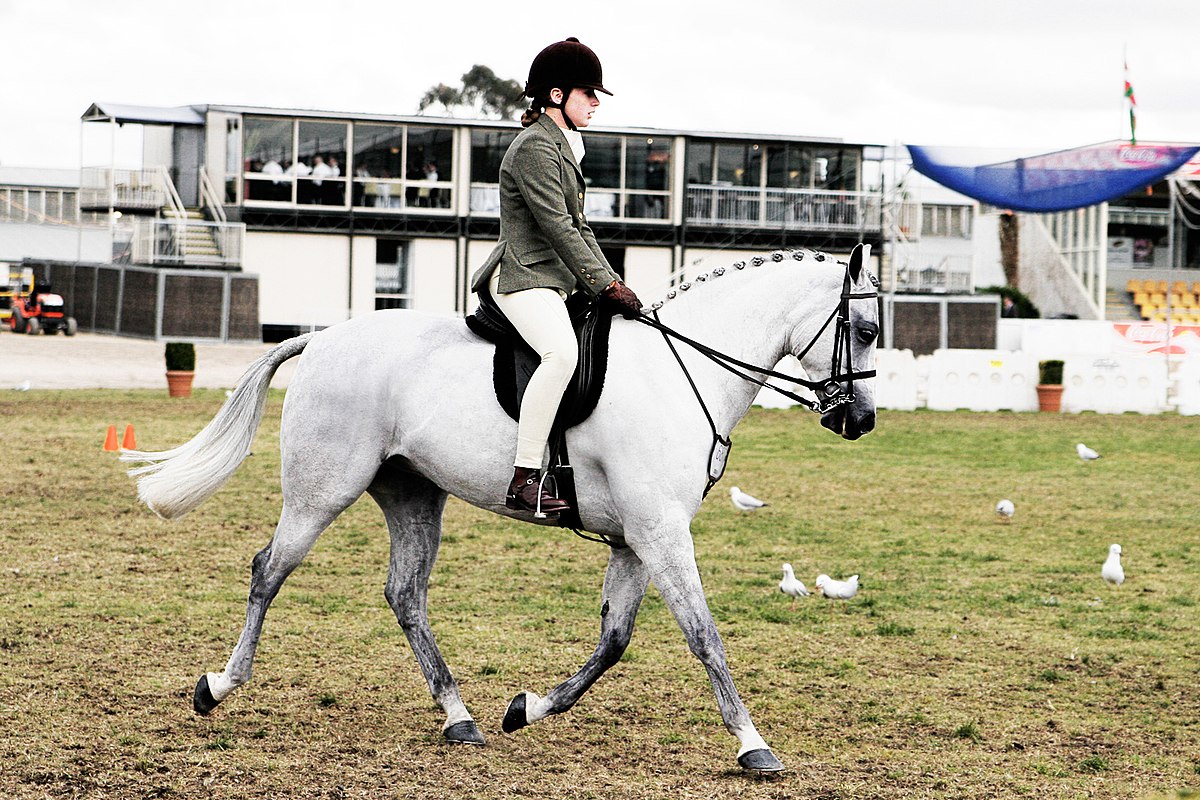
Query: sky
{"type": "Point", "coordinates": [1022, 74]}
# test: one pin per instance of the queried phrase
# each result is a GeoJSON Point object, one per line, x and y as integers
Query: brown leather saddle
{"type": "Point", "coordinates": [514, 362]}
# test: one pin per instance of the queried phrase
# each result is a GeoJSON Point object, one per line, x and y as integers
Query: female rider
{"type": "Point", "coordinates": [546, 249]}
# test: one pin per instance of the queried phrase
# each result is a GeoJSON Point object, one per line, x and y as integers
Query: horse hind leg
{"type": "Point", "coordinates": [625, 583]}
{"type": "Point", "coordinates": [299, 526]}
{"type": "Point", "coordinates": [413, 509]}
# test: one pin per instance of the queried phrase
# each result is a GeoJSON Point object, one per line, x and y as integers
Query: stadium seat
{"type": "Point", "coordinates": [1133, 285]}
{"type": "Point", "coordinates": [1159, 298]}
{"type": "Point", "coordinates": [1160, 286]}
{"type": "Point", "coordinates": [1141, 298]}
{"type": "Point", "coordinates": [1148, 311]}
{"type": "Point", "coordinates": [1195, 287]}
{"type": "Point", "coordinates": [1179, 287]}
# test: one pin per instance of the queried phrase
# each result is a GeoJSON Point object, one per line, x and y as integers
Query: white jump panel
{"type": "Point", "coordinates": [982, 380]}
{"type": "Point", "coordinates": [1114, 384]}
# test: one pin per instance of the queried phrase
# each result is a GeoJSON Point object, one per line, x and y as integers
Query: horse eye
{"type": "Point", "coordinates": [867, 334]}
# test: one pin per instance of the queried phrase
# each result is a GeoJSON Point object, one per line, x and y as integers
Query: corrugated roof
{"type": "Point", "coordinates": [145, 115]}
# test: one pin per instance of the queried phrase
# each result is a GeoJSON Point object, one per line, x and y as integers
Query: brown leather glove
{"type": "Point", "coordinates": [622, 298]}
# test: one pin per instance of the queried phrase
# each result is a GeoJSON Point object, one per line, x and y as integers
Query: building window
{"type": "Point", "coordinates": [233, 149]}
{"type": "Point", "coordinates": [320, 159]}
{"type": "Point", "coordinates": [267, 154]}
{"type": "Point", "coordinates": [946, 220]}
{"type": "Point", "coordinates": [428, 154]}
{"type": "Point", "coordinates": [628, 177]}
{"type": "Point", "coordinates": [487, 151]}
{"type": "Point", "coordinates": [393, 288]}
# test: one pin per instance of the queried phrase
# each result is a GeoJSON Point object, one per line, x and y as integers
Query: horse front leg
{"type": "Point", "coordinates": [671, 560]}
{"type": "Point", "coordinates": [625, 583]}
{"type": "Point", "coordinates": [413, 508]}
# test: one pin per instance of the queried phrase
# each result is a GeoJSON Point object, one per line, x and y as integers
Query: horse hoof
{"type": "Point", "coordinates": [203, 700]}
{"type": "Point", "coordinates": [514, 718]}
{"type": "Point", "coordinates": [761, 760]}
{"type": "Point", "coordinates": [465, 732]}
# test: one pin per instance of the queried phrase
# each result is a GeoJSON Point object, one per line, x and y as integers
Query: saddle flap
{"type": "Point", "coordinates": [514, 361]}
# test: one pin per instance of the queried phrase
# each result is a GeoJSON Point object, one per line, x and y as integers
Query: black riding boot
{"type": "Point", "coordinates": [525, 491]}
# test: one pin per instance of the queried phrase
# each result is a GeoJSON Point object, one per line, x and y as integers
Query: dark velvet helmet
{"type": "Point", "coordinates": [567, 64]}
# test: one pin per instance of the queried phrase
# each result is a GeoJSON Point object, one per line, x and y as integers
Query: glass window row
{"type": "Point", "coordinates": [381, 166]}
{"type": "Point", "coordinates": [51, 206]}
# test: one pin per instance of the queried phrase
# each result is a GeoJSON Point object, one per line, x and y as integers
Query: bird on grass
{"type": "Point", "coordinates": [837, 590]}
{"type": "Point", "coordinates": [743, 501]}
{"type": "Point", "coordinates": [790, 586]}
{"type": "Point", "coordinates": [1112, 571]}
{"type": "Point", "coordinates": [1005, 510]}
{"type": "Point", "coordinates": [1085, 452]}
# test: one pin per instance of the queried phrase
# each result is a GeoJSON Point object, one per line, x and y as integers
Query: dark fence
{"type": "Point", "coordinates": [156, 303]}
{"type": "Point", "coordinates": [924, 323]}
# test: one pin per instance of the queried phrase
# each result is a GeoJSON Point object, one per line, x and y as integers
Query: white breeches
{"type": "Point", "coordinates": [540, 316]}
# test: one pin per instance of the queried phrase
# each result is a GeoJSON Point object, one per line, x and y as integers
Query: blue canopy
{"type": "Point", "coordinates": [1066, 179]}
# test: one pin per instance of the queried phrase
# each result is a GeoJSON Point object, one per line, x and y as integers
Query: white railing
{"type": "Point", "coordinates": [789, 209]}
{"type": "Point", "coordinates": [950, 275]}
{"type": "Point", "coordinates": [188, 242]}
{"type": "Point", "coordinates": [209, 198]}
{"type": "Point", "coordinates": [136, 189]}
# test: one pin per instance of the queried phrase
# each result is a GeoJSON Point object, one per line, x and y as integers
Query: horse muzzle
{"type": "Point", "coordinates": [849, 421]}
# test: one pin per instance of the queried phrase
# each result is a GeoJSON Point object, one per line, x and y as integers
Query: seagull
{"type": "Point", "coordinates": [1005, 509]}
{"type": "Point", "coordinates": [1112, 570]}
{"type": "Point", "coordinates": [1085, 452]}
{"type": "Point", "coordinates": [24, 386]}
{"type": "Point", "coordinates": [743, 501]}
{"type": "Point", "coordinates": [790, 586]}
{"type": "Point", "coordinates": [837, 590]}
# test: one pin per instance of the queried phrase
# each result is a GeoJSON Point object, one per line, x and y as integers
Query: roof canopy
{"type": "Point", "coordinates": [1067, 179]}
{"type": "Point", "coordinates": [144, 115]}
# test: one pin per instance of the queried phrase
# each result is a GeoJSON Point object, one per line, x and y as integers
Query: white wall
{"type": "Point", "coordinates": [988, 269]}
{"type": "Point", "coordinates": [362, 276]}
{"type": "Point", "coordinates": [303, 279]}
{"type": "Point", "coordinates": [432, 266]}
{"type": "Point", "coordinates": [647, 269]}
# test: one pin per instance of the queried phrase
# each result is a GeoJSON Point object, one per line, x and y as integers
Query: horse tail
{"type": "Point", "coordinates": [173, 482]}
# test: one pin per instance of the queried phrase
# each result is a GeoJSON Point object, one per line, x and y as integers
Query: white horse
{"type": "Point", "coordinates": [420, 421]}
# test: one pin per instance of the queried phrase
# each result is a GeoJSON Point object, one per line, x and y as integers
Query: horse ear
{"type": "Point", "coordinates": [859, 256]}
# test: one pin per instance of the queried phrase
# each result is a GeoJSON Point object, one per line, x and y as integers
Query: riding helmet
{"type": "Point", "coordinates": [565, 64]}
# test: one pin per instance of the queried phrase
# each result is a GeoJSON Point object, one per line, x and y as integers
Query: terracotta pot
{"type": "Point", "coordinates": [179, 382]}
{"type": "Point", "coordinates": [1049, 396]}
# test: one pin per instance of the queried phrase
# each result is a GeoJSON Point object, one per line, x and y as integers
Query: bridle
{"type": "Point", "coordinates": [830, 393]}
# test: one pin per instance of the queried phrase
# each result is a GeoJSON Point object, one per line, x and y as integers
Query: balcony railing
{"type": "Point", "coordinates": [102, 188]}
{"type": "Point", "coordinates": [790, 209]}
{"type": "Point", "coordinates": [950, 275]}
{"type": "Point", "coordinates": [189, 242]}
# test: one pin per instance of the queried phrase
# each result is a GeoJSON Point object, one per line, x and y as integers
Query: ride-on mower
{"type": "Point", "coordinates": [38, 309]}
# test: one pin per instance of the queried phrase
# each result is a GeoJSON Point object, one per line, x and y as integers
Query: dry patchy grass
{"type": "Point", "coordinates": [979, 660]}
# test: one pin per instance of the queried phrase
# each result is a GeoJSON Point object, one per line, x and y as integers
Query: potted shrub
{"type": "Point", "coordinates": [1050, 385]}
{"type": "Point", "coordinates": [181, 368]}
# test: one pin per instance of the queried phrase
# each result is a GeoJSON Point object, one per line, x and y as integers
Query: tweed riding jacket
{"type": "Point", "coordinates": [545, 241]}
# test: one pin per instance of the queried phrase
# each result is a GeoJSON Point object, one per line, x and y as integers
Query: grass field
{"type": "Point", "coordinates": [979, 659]}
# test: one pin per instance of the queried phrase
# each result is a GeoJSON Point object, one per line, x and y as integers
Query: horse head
{"type": "Point", "coordinates": [844, 349]}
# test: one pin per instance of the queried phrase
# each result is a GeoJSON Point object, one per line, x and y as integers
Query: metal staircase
{"type": "Point", "coordinates": [162, 231]}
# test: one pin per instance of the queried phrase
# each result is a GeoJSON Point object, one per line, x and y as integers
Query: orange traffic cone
{"type": "Point", "coordinates": [129, 443]}
{"type": "Point", "coordinates": [110, 440]}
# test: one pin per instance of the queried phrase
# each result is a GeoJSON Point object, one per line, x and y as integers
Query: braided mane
{"type": "Point", "coordinates": [756, 261]}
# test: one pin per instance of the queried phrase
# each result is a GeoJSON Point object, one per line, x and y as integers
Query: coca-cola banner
{"type": "Point", "coordinates": [1156, 338]}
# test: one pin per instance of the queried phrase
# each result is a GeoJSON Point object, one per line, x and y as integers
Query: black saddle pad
{"type": "Point", "coordinates": [515, 361]}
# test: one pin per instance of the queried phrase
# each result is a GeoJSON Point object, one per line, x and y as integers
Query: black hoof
{"type": "Point", "coordinates": [203, 700]}
{"type": "Point", "coordinates": [465, 732]}
{"type": "Point", "coordinates": [514, 718]}
{"type": "Point", "coordinates": [761, 760]}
